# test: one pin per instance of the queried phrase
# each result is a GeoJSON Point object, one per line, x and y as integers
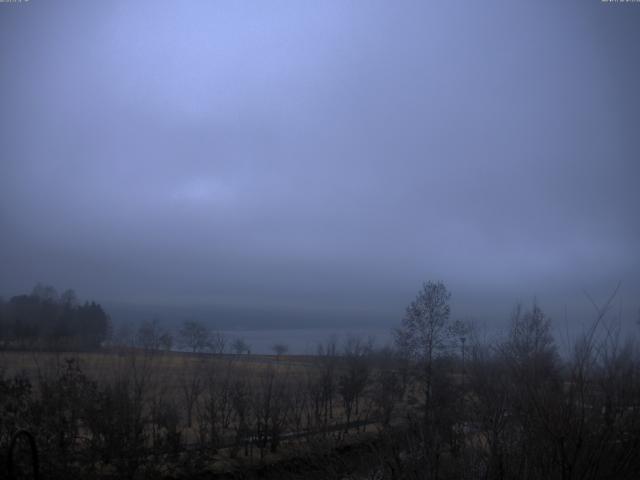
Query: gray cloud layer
{"type": "Point", "coordinates": [320, 156]}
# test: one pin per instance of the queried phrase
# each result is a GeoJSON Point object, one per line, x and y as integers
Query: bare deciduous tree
{"type": "Point", "coordinates": [191, 385]}
{"type": "Point", "coordinates": [423, 332]}
{"type": "Point", "coordinates": [194, 335]}
{"type": "Point", "coordinates": [355, 376]}
{"type": "Point", "coordinates": [217, 343]}
{"type": "Point", "coordinates": [280, 349]}
{"type": "Point", "coordinates": [239, 346]}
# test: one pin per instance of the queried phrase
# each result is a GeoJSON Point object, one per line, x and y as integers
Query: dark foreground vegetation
{"type": "Point", "coordinates": [441, 404]}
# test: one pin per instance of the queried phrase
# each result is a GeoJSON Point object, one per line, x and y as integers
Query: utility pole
{"type": "Point", "coordinates": [464, 372]}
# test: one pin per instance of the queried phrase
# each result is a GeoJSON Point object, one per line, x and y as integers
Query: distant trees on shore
{"type": "Point", "coordinates": [45, 319]}
{"type": "Point", "coordinates": [192, 336]}
{"type": "Point", "coordinates": [280, 349]}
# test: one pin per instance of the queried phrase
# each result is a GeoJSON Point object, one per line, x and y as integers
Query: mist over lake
{"type": "Point", "coordinates": [298, 240]}
{"type": "Point", "coordinates": [305, 341]}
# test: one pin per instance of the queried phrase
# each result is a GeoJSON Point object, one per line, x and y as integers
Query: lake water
{"type": "Point", "coordinates": [303, 341]}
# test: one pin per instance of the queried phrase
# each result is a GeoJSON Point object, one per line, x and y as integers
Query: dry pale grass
{"type": "Point", "coordinates": [164, 374]}
{"type": "Point", "coordinates": [170, 366]}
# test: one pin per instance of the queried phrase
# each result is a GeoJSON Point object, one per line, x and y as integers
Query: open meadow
{"type": "Point", "coordinates": [113, 408]}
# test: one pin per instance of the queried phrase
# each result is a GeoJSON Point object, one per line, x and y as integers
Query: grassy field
{"type": "Point", "coordinates": [231, 407]}
{"type": "Point", "coordinates": [169, 366]}
{"type": "Point", "coordinates": [180, 378]}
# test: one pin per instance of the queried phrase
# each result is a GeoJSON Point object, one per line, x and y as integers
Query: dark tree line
{"type": "Point", "coordinates": [48, 320]}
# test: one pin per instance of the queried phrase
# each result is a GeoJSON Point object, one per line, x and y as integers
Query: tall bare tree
{"type": "Point", "coordinates": [194, 335]}
{"type": "Point", "coordinates": [424, 330]}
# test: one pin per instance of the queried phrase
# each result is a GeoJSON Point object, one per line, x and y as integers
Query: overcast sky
{"type": "Point", "coordinates": [322, 157]}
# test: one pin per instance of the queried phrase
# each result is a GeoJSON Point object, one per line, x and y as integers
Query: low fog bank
{"type": "Point", "coordinates": [302, 329]}
{"type": "Point", "coordinates": [251, 318]}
